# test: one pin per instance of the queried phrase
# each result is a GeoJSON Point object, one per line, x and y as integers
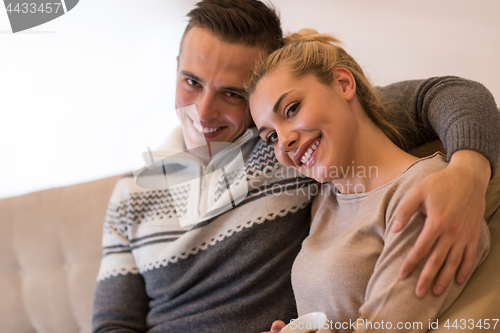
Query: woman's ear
{"type": "Point", "coordinates": [346, 81]}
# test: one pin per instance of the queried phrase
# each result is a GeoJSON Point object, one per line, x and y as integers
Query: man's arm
{"type": "Point", "coordinates": [120, 305]}
{"type": "Point", "coordinates": [120, 300]}
{"type": "Point", "coordinates": [461, 113]}
{"type": "Point", "coordinates": [464, 116]}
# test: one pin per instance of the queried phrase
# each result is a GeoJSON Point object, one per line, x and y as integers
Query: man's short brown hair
{"type": "Point", "coordinates": [246, 22]}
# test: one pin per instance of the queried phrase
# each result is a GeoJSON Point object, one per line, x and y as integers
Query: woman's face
{"type": "Point", "coordinates": [310, 124]}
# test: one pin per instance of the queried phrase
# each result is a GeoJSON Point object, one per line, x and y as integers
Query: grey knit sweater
{"type": "Point", "coordinates": [232, 273]}
{"type": "Point", "coordinates": [462, 113]}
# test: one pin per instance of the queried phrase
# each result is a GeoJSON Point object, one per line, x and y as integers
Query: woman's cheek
{"type": "Point", "coordinates": [285, 160]}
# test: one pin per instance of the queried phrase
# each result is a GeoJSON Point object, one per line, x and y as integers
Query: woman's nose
{"type": "Point", "coordinates": [288, 141]}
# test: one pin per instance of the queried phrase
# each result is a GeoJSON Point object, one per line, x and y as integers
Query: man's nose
{"type": "Point", "coordinates": [207, 107]}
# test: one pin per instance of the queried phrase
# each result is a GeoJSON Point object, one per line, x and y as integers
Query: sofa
{"type": "Point", "coordinates": [50, 245]}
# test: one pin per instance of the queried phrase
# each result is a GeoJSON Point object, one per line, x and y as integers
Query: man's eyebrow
{"type": "Point", "coordinates": [237, 90]}
{"type": "Point", "coordinates": [191, 75]}
{"type": "Point", "coordinates": [278, 102]}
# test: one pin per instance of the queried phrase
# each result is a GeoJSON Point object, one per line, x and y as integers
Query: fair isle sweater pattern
{"type": "Point", "coordinates": [141, 231]}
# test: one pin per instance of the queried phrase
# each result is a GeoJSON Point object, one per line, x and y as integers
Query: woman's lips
{"type": "Point", "coordinates": [304, 156]}
{"type": "Point", "coordinates": [312, 158]}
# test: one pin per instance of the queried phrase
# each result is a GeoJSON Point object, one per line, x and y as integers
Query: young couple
{"type": "Point", "coordinates": [368, 252]}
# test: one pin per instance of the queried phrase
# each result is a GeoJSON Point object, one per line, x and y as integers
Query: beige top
{"type": "Point", "coordinates": [349, 264]}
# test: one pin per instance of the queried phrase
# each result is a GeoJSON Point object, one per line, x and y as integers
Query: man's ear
{"type": "Point", "coordinates": [346, 81]}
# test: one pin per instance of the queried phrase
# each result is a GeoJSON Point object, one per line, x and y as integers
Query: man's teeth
{"type": "Point", "coordinates": [201, 129]}
{"type": "Point", "coordinates": [307, 155]}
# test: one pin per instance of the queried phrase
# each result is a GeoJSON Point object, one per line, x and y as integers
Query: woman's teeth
{"type": "Point", "coordinates": [201, 129]}
{"type": "Point", "coordinates": [307, 155]}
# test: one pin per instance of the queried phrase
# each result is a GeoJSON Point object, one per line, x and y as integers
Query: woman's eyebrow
{"type": "Point", "coordinates": [275, 108]}
{"type": "Point", "coordinates": [277, 104]}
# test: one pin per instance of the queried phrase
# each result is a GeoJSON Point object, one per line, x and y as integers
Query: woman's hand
{"type": "Point", "coordinates": [453, 199]}
{"type": "Point", "coordinates": [276, 326]}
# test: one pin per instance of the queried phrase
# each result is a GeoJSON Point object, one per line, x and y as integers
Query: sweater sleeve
{"type": "Point", "coordinates": [461, 113]}
{"type": "Point", "coordinates": [120, 300]}
{"type": "Point", "coordinates": [393, 301]}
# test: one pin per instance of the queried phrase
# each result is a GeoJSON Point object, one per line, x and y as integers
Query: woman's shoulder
{"type": "Point", "coordinates": [415, 173]}
{"type": "Point", "coordinates": [420, 169]}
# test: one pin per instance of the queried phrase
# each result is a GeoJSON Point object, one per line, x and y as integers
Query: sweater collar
{"type": "Point", "coordinates": [176, 144]}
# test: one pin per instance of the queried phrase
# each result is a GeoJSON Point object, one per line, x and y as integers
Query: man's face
{"type": "Point", "coordinates": [210, 75]}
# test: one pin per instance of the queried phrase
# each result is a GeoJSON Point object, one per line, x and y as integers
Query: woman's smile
{"type": "Point", "coordinates": [306, 155]}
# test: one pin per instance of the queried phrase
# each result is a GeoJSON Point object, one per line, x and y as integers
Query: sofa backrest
{"type": "Point", "coordinates": [50, 245]}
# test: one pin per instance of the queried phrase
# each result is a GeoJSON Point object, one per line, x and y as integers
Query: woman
{"type": "Point", "coordinates": [312, 102]}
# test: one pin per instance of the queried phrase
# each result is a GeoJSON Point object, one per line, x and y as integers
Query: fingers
{"type": "Point", "coordinates": [409, 206]}
{"type": "Point", "coordinates": [449, 269]}
{"type": "Point", "coordinates": [419, 251]}
{"type": "Point", "coordinates": [432, 267]}
{"type": "Point", "coordinates": [277, 326]}
{"type": "Point", "coordinates": [467, 262]}
{"type": "Point", "coordinates": [449, 255]}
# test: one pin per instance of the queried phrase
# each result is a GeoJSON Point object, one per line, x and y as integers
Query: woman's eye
{"type": "Point", "coordinates": [291, 111]}
{"type": "Point", "coordinates": [272, 138]}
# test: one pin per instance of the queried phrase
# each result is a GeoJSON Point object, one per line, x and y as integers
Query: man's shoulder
{"type": "Point", "coordinates": [126, 189]}
{"type": "Point", "coordinates": [262, 156]}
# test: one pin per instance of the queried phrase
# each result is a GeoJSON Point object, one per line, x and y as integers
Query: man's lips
{"type": "Point", "coordinates": [304, 148]}
{"type": "Point", "coordinates": [206, 129]}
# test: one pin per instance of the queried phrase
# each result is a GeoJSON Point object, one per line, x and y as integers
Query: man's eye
{"type": "Point", "coordinates": [291, 111]}
{"type": "Point", "coordinates": [231, 94]}
{"type": "Point", "coordinates": [272, 138]}
{"type": "Point", "coordinates": [192, 82]}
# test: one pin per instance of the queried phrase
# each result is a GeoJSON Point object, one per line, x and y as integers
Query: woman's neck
{"type": "Point", "coordinates": [376, 159]}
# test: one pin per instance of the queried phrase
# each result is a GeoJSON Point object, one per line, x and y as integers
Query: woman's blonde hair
{"type": "Point", "coordinates": [308, 52]}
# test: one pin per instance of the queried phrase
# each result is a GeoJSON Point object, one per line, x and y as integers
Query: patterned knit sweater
{"type": "Point", "coordinates": [231, 273]}
{"type": "Point", "coordinates": [189, 277]}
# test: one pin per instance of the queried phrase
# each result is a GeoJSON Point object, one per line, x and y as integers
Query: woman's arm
{"type": "Point", "coordinates": [391, 299]}
{"type": "Point", "coordinates": [463, 115]}
{"type": "Point", "coordinates": [454, 217]}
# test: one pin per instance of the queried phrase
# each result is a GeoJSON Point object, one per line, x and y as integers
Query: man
{"type": "Point", "coordinates": [232, 272]}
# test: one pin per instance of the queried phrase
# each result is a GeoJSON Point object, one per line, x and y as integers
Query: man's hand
{"type": "Point", "coordinates": [453, 199]}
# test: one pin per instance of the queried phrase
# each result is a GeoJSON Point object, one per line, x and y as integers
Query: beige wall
{"type": "Point", "coordinates": [73, 89]}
